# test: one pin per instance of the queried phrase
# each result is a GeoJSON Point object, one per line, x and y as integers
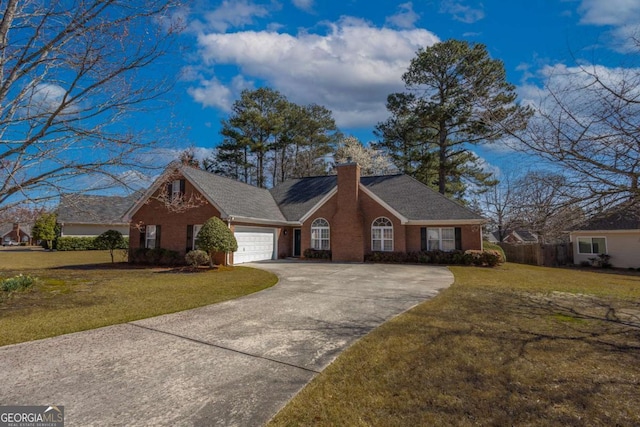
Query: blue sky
{"type": "Point", "coordinates": [349, 55]}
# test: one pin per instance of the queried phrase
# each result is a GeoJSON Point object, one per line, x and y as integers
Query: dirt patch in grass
{"type": "Point", "coordinates": [516, 345]}
{"type": "Point", "coordinates": [94, 294]}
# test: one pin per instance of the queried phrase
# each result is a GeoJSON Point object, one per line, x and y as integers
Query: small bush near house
{"type": "Point", "coordinates": [17, 283]}
{"type": "Point", "coordinates": [317, 254]}
{"type": "Point", "coordinates": [602, 261]}
{"type": "Point", "coordinates": [197, 258]}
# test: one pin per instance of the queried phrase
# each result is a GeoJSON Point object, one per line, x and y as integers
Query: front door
{"type": "Point", "coordinates": [297, 241]}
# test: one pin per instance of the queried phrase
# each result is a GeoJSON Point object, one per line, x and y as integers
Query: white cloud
{"type": "Point", "coordinates": [462, 12]}
{"type": "Point", "coordinates": [622, 15]}
{"type": "Point", "coordinates": [306, 5]}
{"type": "Point", "coordinates": [230, 14]}
{"type": "Point", "coordinates": [609, 12]}
{"type": "Point", "coordinates": [351, 69]}
{"type": "Point", "coordinates": [212, 93]}
{"type": "Point", "coordinates": [405, 18]}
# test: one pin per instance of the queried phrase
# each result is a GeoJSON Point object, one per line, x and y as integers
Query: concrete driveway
{"type": "Point", "coordinates": [233, 363]}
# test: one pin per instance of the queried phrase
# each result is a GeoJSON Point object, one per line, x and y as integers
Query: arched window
{"type": "Point", "coordinates": [320, 234]}
{"type": "Point", "coordinates": [382, 235]}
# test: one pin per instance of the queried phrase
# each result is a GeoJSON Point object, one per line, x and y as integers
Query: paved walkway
{"type": "Point", "coordinates": [233, 363]}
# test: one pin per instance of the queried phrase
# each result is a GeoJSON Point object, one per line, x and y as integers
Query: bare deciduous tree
{"type": "Point", "coordinates": [588, 124]}
{"type": "Point", "coordinates": [538, 204]}
{"type": "Point", "coordinates": [70, 75]}
{"type": "Point", "coordinates": [498, 206]}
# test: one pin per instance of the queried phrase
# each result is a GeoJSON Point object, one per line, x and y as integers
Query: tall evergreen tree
{"type": "Point", "coordinates": [250, 133]}
{"type": "Point", "coordinates": [456, 96]}
{"type": "Point", "coordinates": [268, 139]}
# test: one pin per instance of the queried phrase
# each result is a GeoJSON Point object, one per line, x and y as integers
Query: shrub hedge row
{"type": "Point", "coordinates": [489, 258]}
{"type": "Point", "coordinates": [81, 244]}
{"type": "Point", "coordinates": [317, 254]}
{"type": "Point", "coordinates": [157, 256]}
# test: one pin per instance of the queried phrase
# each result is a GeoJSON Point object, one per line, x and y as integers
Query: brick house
{"type": "Point", "coordinates": [346, 214]}
{"type": "Point", "coordinates": [15, 233]}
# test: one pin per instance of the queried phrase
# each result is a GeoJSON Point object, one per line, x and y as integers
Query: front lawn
{"type": "Point", "coordinates": [514, 345]}
{"type": "Point", "coordinates": [76, 291]}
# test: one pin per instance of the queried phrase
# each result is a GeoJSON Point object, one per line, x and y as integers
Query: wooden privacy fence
{"type": "Point", "coordinates": [538, 254]}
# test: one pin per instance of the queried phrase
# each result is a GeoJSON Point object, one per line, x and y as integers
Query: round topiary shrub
{"type": "Point", "coordinates": [197, 258]}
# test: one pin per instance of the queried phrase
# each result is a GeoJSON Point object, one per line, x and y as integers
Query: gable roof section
{"type": "Point", "coordinates": [627, 218]}
{"type": "Point", "coordinates": [234, 198]}
{"type": "Point", "coordinates": [298, 197]}
{"type": "Point", "coordinates": [6, 228]}
{"type": "Point", "coordinates": [416, 202]}
{"type": "Point", "coordinates": [89, 209]}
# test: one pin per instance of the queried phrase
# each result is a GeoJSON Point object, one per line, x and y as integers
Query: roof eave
{"type": "Point", "coordinates": [261, 221]}
{"type": "Point", "coordinates": [446, 222]}
{"type": "Point", "coordinates": [620, 231]}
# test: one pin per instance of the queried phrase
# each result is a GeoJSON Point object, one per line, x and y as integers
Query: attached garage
{"type": "Point", "coordinates": [254, 244]}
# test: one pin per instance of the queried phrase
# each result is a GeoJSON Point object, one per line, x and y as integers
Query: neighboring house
{"type": "Point", "coordinates": [346, 214]}
{"type": "Point", "coordinates": [82, 215]}
{"type": "Point", "coordinates": [616, 233]}
{"type": "Point", "coordinates": [15, 233]}
{"type": "Point", "coordinates": [519, 236]}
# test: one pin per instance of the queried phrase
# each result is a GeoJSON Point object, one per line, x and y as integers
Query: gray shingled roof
{"type": "Point", "coordinates": [82, 208]}
{"type": "Point", "coordinates": [621, 218]}
{"type": "Point", "coordinates": [296, 197]}
{"type": "Point", "coordinates": [414, 200]}
{"type": "Point", "coordinates": [235, 198]}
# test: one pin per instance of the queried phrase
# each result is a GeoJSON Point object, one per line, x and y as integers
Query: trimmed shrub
{"type": "Point", "coordinates": [317, 254]}
{"type": "Point", "coordinates": [17, 283]}
{"type": "Point", "coordinates": [489, 258]}
{"type": "Point", "coordinates": [215, 236]}
{"type": "Point", "coordinates": [111, 240]}
{"type": "Point", "coordinates": [494, 247]}
{"type": "Point", "coordinates": [197, 258]}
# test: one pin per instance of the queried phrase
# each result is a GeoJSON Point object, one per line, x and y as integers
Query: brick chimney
{"type": "Point", "coordinates": [347, 233]}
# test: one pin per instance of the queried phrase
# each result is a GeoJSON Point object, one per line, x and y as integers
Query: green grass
{"type": "Point", "coordinates": [82, 290]}
{"type": "Point", "coordinates": [515, 345]}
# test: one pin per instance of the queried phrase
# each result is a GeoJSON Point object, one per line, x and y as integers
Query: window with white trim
{"type": "Point", "coordinates": [175, 189]}
{"type": "Point", "coordinates": [441, 239]}
{"type": "Point", "coordinates": [592, 245]}
{"type": "Point", "coordinates": [320, 234]}
{"type": "Point", "coordinates": [196, 230]}
{"type": "Point", "coordinates": [150, 237]}
{"type": "Point", "coordinates": [382, 235]}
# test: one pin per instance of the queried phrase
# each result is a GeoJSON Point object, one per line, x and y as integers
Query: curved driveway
{"type": "Point", "coordinates": [233, 363]}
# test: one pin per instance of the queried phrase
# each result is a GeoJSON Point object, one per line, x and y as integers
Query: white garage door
{"type": "Point", "coordinates": [254, 244]}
